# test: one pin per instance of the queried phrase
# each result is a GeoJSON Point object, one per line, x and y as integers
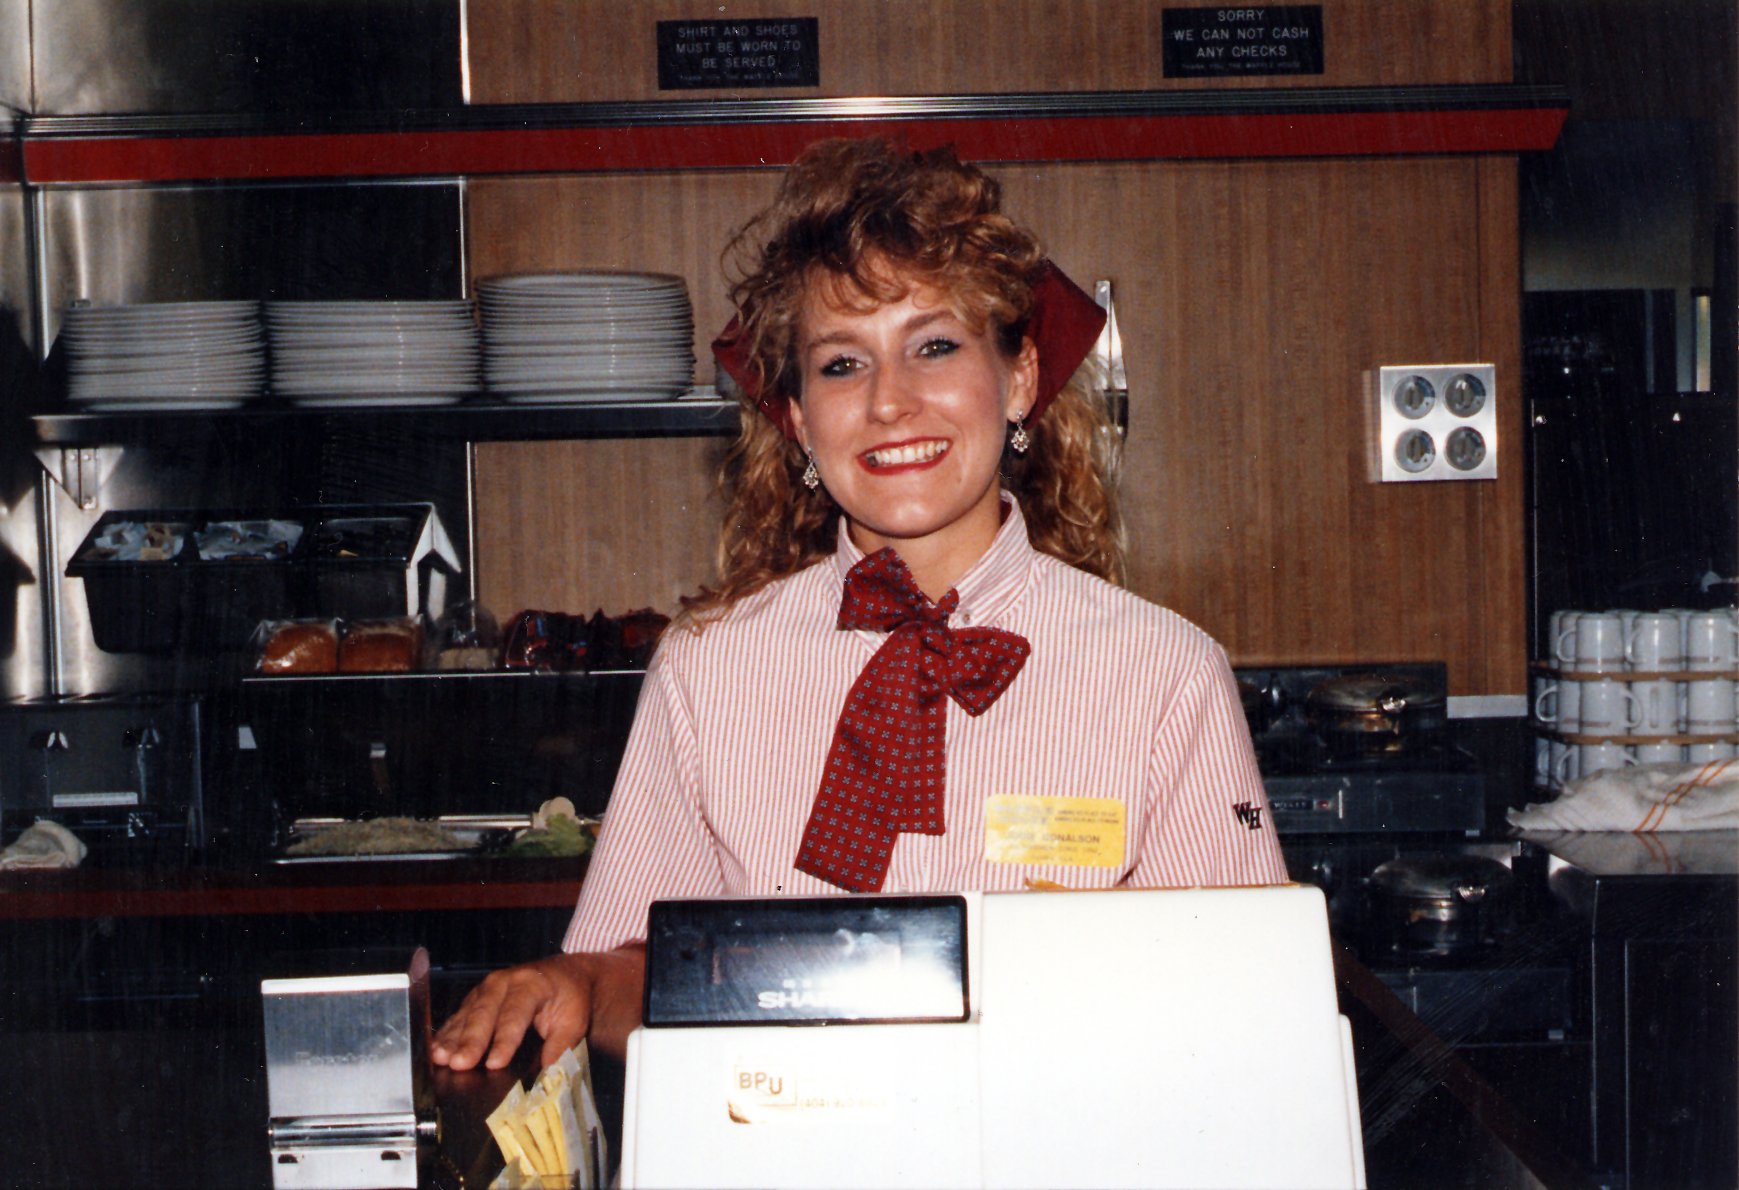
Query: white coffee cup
{"type": "Point", "coordinates": [1564, 767]}
{"type": "Point", "coordinates": [1599, 645]}
{"type": "Point", "coordinates": [1660, 753]}
{"type": "Point", "coordinates": [1682, 615]}
{"type": "Point", "coordinates": [1598, 758]}
{"type": "Point", "coordinates": [1626, 616]}
{"type": "Point", "coordinates": [1559, 705]}
{"type": "Point", "coordinates": [1655, 643]}
{"type": "Point", "coordinates": [1712, 751]}
{"type": "Point", "coordinates": [1608, 708]}
{"type": "Point", "coordinates": [1542, 760]}
{"type": "Point", "coordinates": [1658, 709]}
{"type": "Point", "coordinates": [1710, 707]}
{"type": "Point", "coordinates": [1711, 641]}
{"type": "Point", "coordinates": [1562, 645]}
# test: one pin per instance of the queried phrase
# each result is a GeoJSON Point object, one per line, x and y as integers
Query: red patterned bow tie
{"type": "Point", "coordinates": [885, 771]}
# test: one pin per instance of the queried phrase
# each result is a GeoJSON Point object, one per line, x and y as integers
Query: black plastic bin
{"type": "Point", "coordinates": [349, 561]}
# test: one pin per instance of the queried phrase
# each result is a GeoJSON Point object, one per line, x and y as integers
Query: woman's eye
{"type": "Point", "coordinates": [839, 365]}
{"type": "Point", "coordinates": [938, 347]}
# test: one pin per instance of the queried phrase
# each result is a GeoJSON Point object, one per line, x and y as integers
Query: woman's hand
{"type": "Point", "coordinates": [564, 997]}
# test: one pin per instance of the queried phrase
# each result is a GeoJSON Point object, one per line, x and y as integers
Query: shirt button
{"type": "Point", "coordinates": [966, 617]}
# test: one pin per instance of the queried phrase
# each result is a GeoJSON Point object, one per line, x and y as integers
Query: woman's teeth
{"type": "Point", "coordinates": [896, 456]}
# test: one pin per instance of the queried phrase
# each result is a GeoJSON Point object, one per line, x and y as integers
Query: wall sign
{"type": "Point", "coordinates": [782, 52]}
{"type": "Point", "coordinates": [1215, 42]}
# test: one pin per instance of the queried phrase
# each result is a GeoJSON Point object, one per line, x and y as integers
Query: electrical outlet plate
{"type": "Point", "coordinates": [1433, 422]}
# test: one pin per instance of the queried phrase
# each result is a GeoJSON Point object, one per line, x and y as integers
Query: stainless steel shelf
{"type": "Point", "coordinates": [471, 421]}
{"type": "Point", "coordinates": [482, 140]}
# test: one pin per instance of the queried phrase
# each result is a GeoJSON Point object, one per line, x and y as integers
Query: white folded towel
{"type": "Point", "coordinates": [1642, 798]}
{"type": "Point", "coordinates": [43, 845]}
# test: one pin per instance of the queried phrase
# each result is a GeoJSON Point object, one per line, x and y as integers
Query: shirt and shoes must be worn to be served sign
{"type": "Point", "coordinates": [1115, 754]}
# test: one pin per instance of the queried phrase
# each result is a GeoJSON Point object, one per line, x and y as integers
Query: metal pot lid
{"type": "Point", "coordinates": [1465, 878]}
{"type": "Point", "coordinates": [1366, 694]}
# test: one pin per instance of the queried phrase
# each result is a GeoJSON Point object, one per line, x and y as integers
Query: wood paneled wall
{"type": "Point", "coordinates": [544, 51]}
{"type": "Point", "coordinates": [1252, 295]}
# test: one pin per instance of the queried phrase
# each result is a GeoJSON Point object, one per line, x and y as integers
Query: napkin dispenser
{"type": "Point", "coordinates": [347, 1083]}
{"type": "Point", "coordinates": [1126, 1038]}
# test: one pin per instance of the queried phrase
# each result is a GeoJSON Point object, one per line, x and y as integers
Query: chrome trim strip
{"type": "Point", "coordinates": [484, 117]}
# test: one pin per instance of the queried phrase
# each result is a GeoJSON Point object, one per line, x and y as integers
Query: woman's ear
{"type": "Point", "coordinates": [1023, 384]}
{"type": "Point", "coordinates": [798, 430]}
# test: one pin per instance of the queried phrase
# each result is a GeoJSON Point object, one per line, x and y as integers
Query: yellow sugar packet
{"type": "Point", "coordinates": [550, 1159]}
{"type": "Point", "coordinates": [502, 1131]}
{"type": "Point", "coordinates": [566, 1125]}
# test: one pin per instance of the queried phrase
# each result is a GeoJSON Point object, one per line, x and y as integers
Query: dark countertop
{"type": "Point", "coordinates": [185, 1104]}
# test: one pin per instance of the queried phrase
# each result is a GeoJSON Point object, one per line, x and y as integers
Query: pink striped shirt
{"type": "Point", "coordinates": [1121, 701]}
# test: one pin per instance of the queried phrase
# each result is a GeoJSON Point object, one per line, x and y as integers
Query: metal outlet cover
{"type": "Point", "coordinates": [1433, 422]}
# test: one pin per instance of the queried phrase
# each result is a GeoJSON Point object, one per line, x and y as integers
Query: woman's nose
{"type": "Point", "coordinates": [893, 394]}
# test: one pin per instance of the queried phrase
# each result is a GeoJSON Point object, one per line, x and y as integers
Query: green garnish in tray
{"type": "Point", "coordinates": [559, 836]}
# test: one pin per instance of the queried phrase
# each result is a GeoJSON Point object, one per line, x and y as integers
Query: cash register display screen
{"type": "Point", "coordinates": [822, 959]}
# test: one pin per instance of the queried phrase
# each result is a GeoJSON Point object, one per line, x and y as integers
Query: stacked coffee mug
{"type": "Point", "coordinates": [1624, 687]}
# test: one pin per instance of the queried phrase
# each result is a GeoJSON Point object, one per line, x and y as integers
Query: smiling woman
{"type": "Point", "coordinates": [905, 415]}
{"type": "Point", "coordinates": [913, 675]}
{"type": "Point", "coordinates": [859, 228]}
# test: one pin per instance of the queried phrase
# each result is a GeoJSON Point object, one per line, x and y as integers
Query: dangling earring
{"type": "Point", "coordinates": [811, 477]}
{"type": "Point", "coordinates": [1019, 440]}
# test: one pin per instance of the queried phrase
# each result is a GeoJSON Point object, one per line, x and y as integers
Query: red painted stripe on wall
{"type": "Point", "coordinates": [97, 160]}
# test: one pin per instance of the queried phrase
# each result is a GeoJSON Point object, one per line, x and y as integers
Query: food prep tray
{"type": "Point", "coordinates": [480, 835]}
{"type": "Point", "coordinates": [353, 561]}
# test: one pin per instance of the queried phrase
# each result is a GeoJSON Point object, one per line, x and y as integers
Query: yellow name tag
{"type": "Point", "coordinates": [1082, 832]}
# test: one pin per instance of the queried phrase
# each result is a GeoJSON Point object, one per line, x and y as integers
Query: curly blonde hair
{"type": "Point", "coordinates": [882, 219]}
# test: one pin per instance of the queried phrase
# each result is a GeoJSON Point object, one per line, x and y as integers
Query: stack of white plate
{"type": "Point", "coordinates": [559, 338]}
{"type": "Point", "coordinates": [164, 355]}
{"type": "Point", "coordinates": [334, 354]}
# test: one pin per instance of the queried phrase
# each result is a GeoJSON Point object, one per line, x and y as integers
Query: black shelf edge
{"type": "Point", "coordinates": [473, 421]}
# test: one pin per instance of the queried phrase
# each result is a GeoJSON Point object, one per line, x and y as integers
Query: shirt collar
{"type": "Point", "coordinates": [990, 586]}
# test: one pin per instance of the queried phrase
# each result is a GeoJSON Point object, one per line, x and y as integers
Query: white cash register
{"type": "Point", "coordinates": [1128, 1038]}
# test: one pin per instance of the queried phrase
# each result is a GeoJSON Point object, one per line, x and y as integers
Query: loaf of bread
{"type": "Point", "coordinates": [380, 647]}
{"type": "Point", "coordinates": [300, 647]}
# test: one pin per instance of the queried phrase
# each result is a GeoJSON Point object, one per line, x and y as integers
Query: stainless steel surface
{"type": "Point", "coordinates": [185, 243]}
{"type": "Point", "coordinates": [15, 54]}
{"type": "Point", "coordinates": [22, 637]}
{"type": "Point", "coordinates": [101, 56]}
{"type": "Point", "coordinates": [347, 1038]}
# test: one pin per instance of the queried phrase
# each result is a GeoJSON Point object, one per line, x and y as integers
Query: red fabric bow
{"type": "Point", "coordinates": [885, 771]}
{"type": "Point", "coordinates": [1064, 324]}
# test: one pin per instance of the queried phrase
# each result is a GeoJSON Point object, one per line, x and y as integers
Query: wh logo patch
{"type": "Point", "coordinates": [1249, 815]}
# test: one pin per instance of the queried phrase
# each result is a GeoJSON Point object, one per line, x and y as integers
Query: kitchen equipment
{"type": "Point", "coordinates": [1360, 713]}
{"type": "Point", "coordinates": [1386, 770]}
{"type": "Point", "coordinates": [347, 1085]}
{"type": "Point", "coordinates": [435, 745]}
{"type": "Point", "coordinates": [124, 774]}
{"type": "Point", "coordinates": [1436, 905]}
{"type": "Point", "coordinates": [1258, 705]}
{"type": "Point", "coordinates": [1180, 1065]}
